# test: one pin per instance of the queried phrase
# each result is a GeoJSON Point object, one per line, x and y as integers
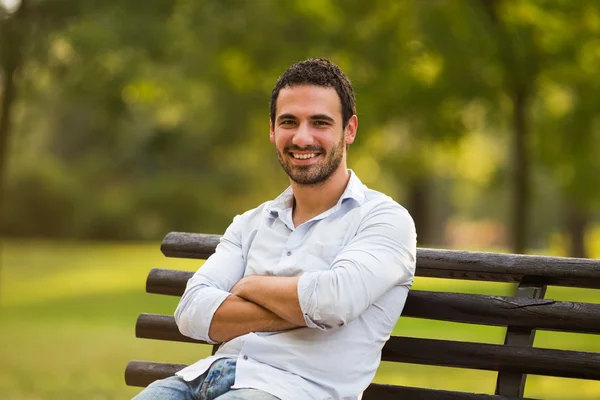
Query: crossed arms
{"type": "Point", "coordinates": [220, 304]}
{"type": "Point", "coordinates": [258, 304]}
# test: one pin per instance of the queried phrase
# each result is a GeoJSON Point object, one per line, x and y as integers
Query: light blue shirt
{"type": "Point", "coordinates": [356, 263]}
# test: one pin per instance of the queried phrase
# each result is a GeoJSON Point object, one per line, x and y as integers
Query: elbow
{"type": "Point", "coordinates": [323, 309]}
{"type": "Point", "coordinates": [328, 317]}
{"type": "Point", "coordinates": [194, 318]}
{"type": "Point", "coordinates": [187, 324]}
{"type": "Point", "coordinates": [333, 324]}
{"type": "Point", "coordinates": [182, 321]}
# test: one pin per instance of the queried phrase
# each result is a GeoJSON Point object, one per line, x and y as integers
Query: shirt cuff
{"type": "Point", "coordinates": [307, 297]}
{"type": "Point", "coordinates": [205, 307]}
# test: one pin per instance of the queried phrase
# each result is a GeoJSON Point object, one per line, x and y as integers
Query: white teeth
{"type": "Point", "coordinates": [303, 156]}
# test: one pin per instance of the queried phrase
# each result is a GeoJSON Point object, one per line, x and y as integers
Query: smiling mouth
{"type": "Point", "coordinates": [305, 156]}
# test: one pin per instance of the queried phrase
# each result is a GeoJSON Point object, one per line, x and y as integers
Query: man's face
{"type": "Point", "coordinates": [308, 135]}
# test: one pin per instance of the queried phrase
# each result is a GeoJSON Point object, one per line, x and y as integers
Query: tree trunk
{"type": "Point", "coordinates": [520, 173]}
{"type": "Point", "coordinates": [11, 42]}
{"type": "Point", "coordinates": [418, 206]}
{"type": "Point", "coordinates": [12, 36]}
{"type": "Point", "coordinates": [576, 221]}
{"type": "Point", "coordinates": [7, 101]}
{"type": "Point", "coordinates": [519, 73]}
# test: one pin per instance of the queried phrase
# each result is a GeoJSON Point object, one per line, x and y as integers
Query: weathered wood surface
{"type": "Point", "coordinates": [189, 245]}
{"type": "Point", "coordinates": [167, 281]}
{"type": "Point", "coordinates": [391, 392]}
{"type": "Point", "coordinates": [524, 313]}
{"type": "Point", "coordinates": [142, 373]}
{"type": "Point", "coordinates": [511, 383]}
{"type": "Point", "coordinates": [452, 264]}
{"type": "Point", "coordinates": [160, 327]}
{"type": "Point", "coordinates": [456, 307]}
{"type": "Point", "coordinates": [493, 357]}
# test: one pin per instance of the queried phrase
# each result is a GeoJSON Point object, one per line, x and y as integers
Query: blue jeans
{"type": "Point", "coordinates": [212, 385]}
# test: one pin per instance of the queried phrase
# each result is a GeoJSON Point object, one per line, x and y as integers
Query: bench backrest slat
{"type": "Point", "coordinates": [391, 392]}
{"type": "Point", "coordinates": [452, 264]}
{"type": "Point", "coordinates": [167, 281]}
{"type": "Point", "coordinates": [456, 307]}
{"type": "Point", "coordinates": [160, 327]}
{"type": "Point", "coordinates": [523, 313]}
{"type": "Point", "coordinates": [493, 357]}
{"type": "Point", "coordinates": [142, 373]}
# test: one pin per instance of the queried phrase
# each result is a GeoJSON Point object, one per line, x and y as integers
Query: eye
{"type": "Point", "coordinates": [321, 123]}
{"type": "Point", "coordinates": [287, 122]}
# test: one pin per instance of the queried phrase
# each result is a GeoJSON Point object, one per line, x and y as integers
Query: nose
{"type": "Point", "coordinates": [303, 136]}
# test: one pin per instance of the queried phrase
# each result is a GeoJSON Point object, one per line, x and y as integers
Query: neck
{"type": "Point", "coordinates": [312, 200]}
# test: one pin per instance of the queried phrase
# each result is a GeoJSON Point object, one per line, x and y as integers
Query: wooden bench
{"type": "Point", "coordinates": [521, 314]}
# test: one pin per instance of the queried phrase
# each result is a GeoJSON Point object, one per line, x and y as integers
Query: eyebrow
{"type": "Point", "coordinates": [321, 117]}
{"type": "Point", "coordinates": [286, 116]}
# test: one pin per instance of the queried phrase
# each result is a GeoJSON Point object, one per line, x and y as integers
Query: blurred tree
{"type": "Point", "coordinates": [568, 146]}
{"type": "Point", "coordinates": [13, 34]}
{"type": "Point", "coordinates": [136, 121]}
{"type": "Point", "coordinates": [518, 56]}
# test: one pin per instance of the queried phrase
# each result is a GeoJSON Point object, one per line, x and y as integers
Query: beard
{"type": "Point", "coordinates": [314, 174]}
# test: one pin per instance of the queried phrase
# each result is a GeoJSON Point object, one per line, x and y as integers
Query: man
{"type": "Point", "coordinates": [304, 290]}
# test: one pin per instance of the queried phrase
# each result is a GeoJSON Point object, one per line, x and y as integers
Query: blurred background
{"type": "Point", "coordinates": [123, 120]}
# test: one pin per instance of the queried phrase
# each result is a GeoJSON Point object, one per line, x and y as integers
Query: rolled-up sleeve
{"type": "Point", "coordinates": [381, 256]}
{"type": "Point", "coordinates": [210, 285]}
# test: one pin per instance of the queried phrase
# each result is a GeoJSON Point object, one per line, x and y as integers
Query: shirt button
{"type": "Point", "coordinates": [288, 253]}
{"type": "Point", "coordinates": [245, 357]}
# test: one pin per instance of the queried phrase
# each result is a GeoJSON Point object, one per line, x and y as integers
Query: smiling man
{"type": "Point", "coordinates": [304, 290]}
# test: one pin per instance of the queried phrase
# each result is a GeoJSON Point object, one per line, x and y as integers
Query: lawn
{"type": "Point", "coordinates": [67, 314]}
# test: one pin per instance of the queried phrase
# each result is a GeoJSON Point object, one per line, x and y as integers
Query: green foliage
{"type": "Point", "coordinates": [133, 121]}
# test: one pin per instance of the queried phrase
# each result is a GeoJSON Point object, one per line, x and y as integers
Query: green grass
{"type": "Point", "coordinates": [67, 315]}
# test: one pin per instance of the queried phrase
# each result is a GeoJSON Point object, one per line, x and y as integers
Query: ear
{"type": "Point", "coordinates": [351, 128]}
{"type": "Point", "coordinates": [271, 131]}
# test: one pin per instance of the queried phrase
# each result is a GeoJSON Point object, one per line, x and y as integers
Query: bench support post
{"type": "Point", "coordinates": [512, 383]}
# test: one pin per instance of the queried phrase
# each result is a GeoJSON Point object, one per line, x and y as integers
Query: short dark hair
{"type": "Point", "coordinates": [319, 72]}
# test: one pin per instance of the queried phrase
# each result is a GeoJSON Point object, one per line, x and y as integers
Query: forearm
{"type": "Point", "coordinates": [274, 293]}
{"type": "Point", "coordinates": [237, 316]}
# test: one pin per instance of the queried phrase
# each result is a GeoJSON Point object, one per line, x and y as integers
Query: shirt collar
{"type": "Point", "coordinates": [355, 190]}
